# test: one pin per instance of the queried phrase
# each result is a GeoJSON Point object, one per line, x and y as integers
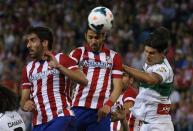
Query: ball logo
{"type": "Point", "coordinates": [94, 18]}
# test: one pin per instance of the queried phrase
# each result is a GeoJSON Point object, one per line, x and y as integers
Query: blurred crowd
{"type": "Point", "coordinates": [133, 20]}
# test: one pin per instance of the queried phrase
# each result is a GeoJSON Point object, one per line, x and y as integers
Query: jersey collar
{"type": "Point", "coordinates": [88, 48]}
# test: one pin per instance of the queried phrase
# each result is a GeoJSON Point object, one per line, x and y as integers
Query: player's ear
{"type": "Point", "coordinates": [104, 35]}
{"type": "Point", "coordinates": [131, 79]}
{"type": "Point", "coordinates": [45, 44]}
{"type": "Point", "coordinates": [85, 35]}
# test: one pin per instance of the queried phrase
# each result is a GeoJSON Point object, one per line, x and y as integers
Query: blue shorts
{"type": "Point", "coordinates": [87, 120]}
{"type": "Point", "coordinates": [62, 123]}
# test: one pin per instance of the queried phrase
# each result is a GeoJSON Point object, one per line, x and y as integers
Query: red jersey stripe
{"type": "Point", "coordinates": [40, 97]}
{"type": "Point", "coordinates": [50, 93]}
{"type": "Point", "coordinates": [103, 91]}
{"type": "Point", "coordinates": [93, 84]}
{"type": "Point", "coordinates": [81, 87]}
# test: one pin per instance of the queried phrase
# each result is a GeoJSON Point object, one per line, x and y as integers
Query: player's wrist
{"type": "Point", "coordinates": [109, 103]}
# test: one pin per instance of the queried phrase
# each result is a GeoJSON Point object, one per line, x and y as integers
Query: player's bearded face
{"type": "Point", "coordinates": [152, 56]}
{"type": "Point", "coordinates": [95, 40]}
{"type": "Point", "coordinates": [34, 46]}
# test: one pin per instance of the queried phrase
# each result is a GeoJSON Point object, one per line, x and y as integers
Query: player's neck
{"type": "Point", "coordinates": [160, 60]}
{"type": "Point", "coordinates": [41, 54]}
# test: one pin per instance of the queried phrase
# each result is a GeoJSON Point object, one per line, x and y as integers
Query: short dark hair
{"type": "Point", "coordinates": [125, 74]}
{"type": "Point", "coordinates": [158, 39]}
{"type": "Point", "coordinates": [8, 100]}
{"type": "Point", "coordinates": [44, 33]}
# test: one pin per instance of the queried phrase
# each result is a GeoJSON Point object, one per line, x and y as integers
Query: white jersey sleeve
{"type": "Point", "coordinates": [11, 121]}
{"type": "Point", "coordinates": [164, 70]}
{"type": "Point", "coordinates": [161, 70]}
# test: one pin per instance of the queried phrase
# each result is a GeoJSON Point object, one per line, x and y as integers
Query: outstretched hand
{"type": "Point", "coordinates": [119, 114]}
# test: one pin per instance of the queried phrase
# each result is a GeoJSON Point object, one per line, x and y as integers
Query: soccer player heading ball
{"type": "Point", "coordinates": [92, 103]}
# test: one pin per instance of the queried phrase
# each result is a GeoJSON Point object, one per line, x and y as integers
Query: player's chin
{"type": "Point", "coordinates": [149, 62]}
{"type": "Point", "coordinates": [32, 56]}
{"type": "Point", "coordinates": [95, 49]}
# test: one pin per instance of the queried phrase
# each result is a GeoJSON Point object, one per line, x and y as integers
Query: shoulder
{"type": "Point", "coordinates": [130, 92]}
{"type": "Point", "coordinates": [114, 55]}
{"type": "Point", "coordinates": [164, 70]}
{"type": "Point", "coordinates": [113, 52]}
{"type": "Point", "coordinates": [78, 49]}
{"type": "Point", "coordinates": [29, 64]}
{"type": "Point", "coordinates": [12, 115]}
{"type": "Point", "coordinates": [61, 56]}
{"type": "Point", "coordinates": [77, 53]}
{"type": "Point", "coordinates": [162, 67]}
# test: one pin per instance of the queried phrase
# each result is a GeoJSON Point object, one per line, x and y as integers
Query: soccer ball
{"type": "Point", "coordinates": [100, 19]}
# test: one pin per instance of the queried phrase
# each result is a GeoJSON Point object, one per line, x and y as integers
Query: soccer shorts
{"type": "Point", "coordinates": [62, 123]}
{"type": "Point", "coordinates": [87, 120]}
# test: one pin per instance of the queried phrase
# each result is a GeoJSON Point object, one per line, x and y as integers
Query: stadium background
{"type": "Point", "coordinates": [133, 20]}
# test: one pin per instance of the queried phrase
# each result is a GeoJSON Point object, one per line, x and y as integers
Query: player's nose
{"type": "Point", "coordinates": [28, 45]}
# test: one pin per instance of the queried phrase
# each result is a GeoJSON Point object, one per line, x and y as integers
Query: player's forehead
{"type": "Point", "coordinates": [31, 36]}
{"type": "Point", "coordinates": [150, 49]}
{"type": "Point", "coordinates": [93, 33]}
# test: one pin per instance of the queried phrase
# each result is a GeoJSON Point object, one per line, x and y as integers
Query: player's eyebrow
{"type": "Point", "coordinates": [31, 38]}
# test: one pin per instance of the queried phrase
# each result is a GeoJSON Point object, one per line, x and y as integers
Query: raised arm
{"type": "Point", "coordinates": [74, 73]}
{"type": "Point", "coordinates": [149, 78]}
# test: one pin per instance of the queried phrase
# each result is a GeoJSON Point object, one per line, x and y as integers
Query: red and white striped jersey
{"type": "Point", "coordinates": [99, 69]}
{"type": "Point", "coordinates": [49, 89]}
{"type": "Point", "coordinates": [129, 95]}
